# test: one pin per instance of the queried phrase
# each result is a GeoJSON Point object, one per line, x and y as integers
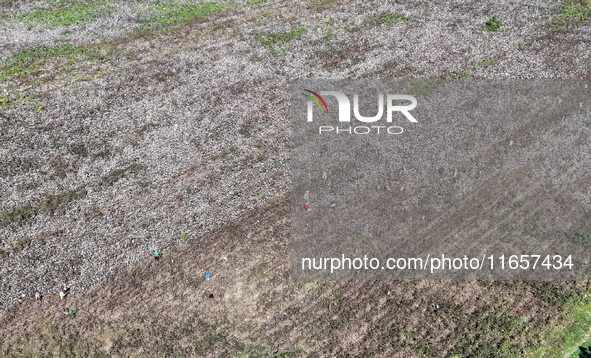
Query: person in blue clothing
{"type": "Point", "coordinates": [156, 255]}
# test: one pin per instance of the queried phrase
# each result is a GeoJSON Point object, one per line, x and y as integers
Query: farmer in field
{"type": "Point", "coordinates": [68, 311]}
{"type": "Point", "coordinates": [63, 293]}
{"type": "Point", "coordinates": [156, 255]}
{"type": "Point", "coordinates": [37, 296]}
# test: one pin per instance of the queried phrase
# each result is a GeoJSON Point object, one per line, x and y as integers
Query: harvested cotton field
{"type": "Point", "coordinates": [134, 126]}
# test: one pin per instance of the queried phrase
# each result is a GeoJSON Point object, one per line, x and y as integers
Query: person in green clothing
{"type": "Point", "coordinates": [68, 311]}
{"type": "Point", "coordinates": [156, 255]}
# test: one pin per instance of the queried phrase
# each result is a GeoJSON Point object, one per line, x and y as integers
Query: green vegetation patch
{"type": "Point", "coordinates": [29, 61]}
{"type": "Point", "coordinates": [17, 216]}
{"type": "Point", "coordinates": [584, 351]}
{"type": "Point", "coordinates": [571, 335]}
{"type": "Point", "coordinates": [64, 16]}
{"type": "Point", "coordinates": [10, 102]}
{"type": "Point", "coordinates": [475, 67]}
{"type": "Point", "coordinates": [492, 335]}
{"type": "Point", "coordinates": [573, 11]}
{"type": "Point", "coordinates": [270, 40]}
{"type": "Point", "coordinates": [177, 13]}
{"type": "Point", "coordinates": [492, 25]}
{"type": "Point", "coordinates": [55, 202]}
{"type": "Point", "coordinates": [118, 174]}
{"type": "Point", "coordinates": [274, 38]}
{"type": "Point", "coordinates": [388, 18]}
{"type": "Point", "coordinates": [20, 215]}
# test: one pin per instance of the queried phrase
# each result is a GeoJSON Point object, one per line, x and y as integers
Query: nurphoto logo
{"type": "Point", "coordinates": [394, 103]}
